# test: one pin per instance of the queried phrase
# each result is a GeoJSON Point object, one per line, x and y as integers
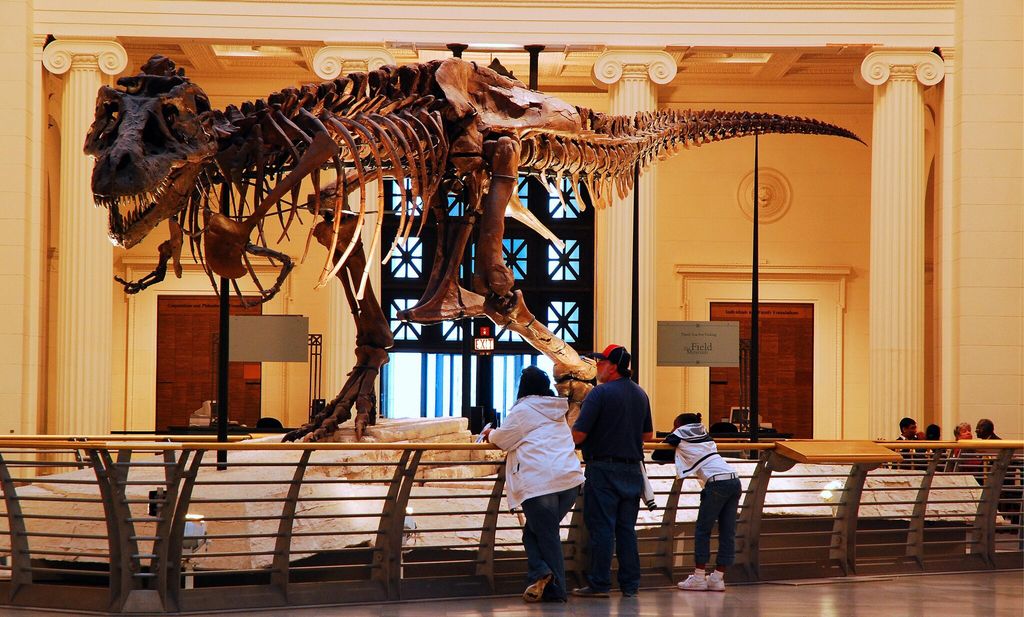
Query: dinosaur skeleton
{"type": "Point", "coordinates": [440, 128]}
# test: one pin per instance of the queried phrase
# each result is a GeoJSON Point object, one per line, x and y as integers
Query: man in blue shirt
{"type": "Point", "coordinates": [613, 423]}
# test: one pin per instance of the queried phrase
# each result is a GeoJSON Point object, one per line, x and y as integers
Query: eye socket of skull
{"type": "Point", "coordinates": [109, 107]}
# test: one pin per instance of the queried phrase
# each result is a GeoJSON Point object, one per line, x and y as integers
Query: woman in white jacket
{"type": "Point", "coordinates": [542, 476]}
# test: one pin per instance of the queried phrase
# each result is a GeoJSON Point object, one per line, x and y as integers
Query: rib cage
{"type": "Point", "coordinates": [395, 122]}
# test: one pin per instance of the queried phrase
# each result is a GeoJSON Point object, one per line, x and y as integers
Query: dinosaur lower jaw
{"type": "Point", "coordinates": [130, 218]}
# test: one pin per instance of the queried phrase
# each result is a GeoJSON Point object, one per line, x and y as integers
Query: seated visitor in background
{"type": "Point", "coordinates": [986, 429]}
{"type": "Point", "coordinates": [268, 422]}
{"type": "Point", "coordinates": [1010, 496]}
{"type": "Point", "coordinates": [908, 429]}
{"type": "Point", "coordinates": [961, 432]}
{"type": "Point", "coordinates": [542, 476]}
{"type": "Point", "coordinates": [696, 454]}
{"type": "Point", "coordinates": [933, 432]}
{"type": "Point", "coordinates": [908, 432]}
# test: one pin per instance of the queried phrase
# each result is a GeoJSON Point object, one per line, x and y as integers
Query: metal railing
{"type": "Point", "coordinates": [114, 526]}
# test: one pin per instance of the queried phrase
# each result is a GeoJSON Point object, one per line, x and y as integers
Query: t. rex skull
{"type": "Point", "coordinates": [151, 139]}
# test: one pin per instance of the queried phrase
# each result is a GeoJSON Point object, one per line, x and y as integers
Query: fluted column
{"type": "Point", "coordinates": [632, 77]}
{"type": "Point", "coordinates": [898, 175]}
{"type": "Point", "coordinates": [340, 338]}
{"type": "Point", "coordinates": [85, 267]}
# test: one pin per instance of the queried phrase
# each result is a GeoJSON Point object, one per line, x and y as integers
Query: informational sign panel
{"type": "Point", "coordinates": [268, 338]}
{"type": "Point", "coordinates": [698, 343]}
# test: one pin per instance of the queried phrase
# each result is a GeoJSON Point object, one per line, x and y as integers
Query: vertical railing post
{"type": "Point", "coordinates": [915, 535]}
{"type": "Point", "coordinates": [578, 539]}
{"type": "Point", "coordinates": [279, 574]}
{"type": "Point", "coordinates": [748, 524]}
{"type": "Point", "coordinates": [123, 547]}
{"type": "Point", "coordinates": [983, 536]}
{"type": "Point", "coordinates": [844, 527]}
{"type": "Point", "coordinates": [169, 568]}
{"type": "Point", "coordinates": [485, 554]}
{"type": "Point", "coordinates": [21, 573]}
{"type": "Point", "coordinates": [388, 570]}
{"type": "Point", "coordinates": [667, 531]}
{"type": "Point", "coordinates": [165, 519]}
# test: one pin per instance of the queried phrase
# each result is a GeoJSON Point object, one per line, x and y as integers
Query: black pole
{"type": "Point", "coordinates": [754, 316]}
{"type": "Point", "coordinates": [534, 51]}
{"type": "Point", "coordinates": [634, 322]}
{"type": "Point", "coordinates": [222, 374]}
{"type": "Point", "coordinates": [467, 324]}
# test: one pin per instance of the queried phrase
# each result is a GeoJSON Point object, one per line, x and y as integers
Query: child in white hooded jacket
{"type": "Point", "coordinates": [697, 455]}
{"type": "Point", "coordinates": [542, 476]}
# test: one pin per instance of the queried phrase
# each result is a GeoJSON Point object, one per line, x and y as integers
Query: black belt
{"type": "Point", "coordinates": [612, 459]}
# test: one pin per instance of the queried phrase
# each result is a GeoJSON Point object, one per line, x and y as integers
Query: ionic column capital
{"type": "Point", "coordinates": [333, 60]}
{"type": "Point", "coordinates": [655, 65]}
{"type": "Point", "coordinates": [62, 55]}
{"type": "Point", "coordinates": [902, 64]}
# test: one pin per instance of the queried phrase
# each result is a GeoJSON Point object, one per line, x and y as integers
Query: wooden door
{"type": "Point", "coordinates": [186, 362]}
{"type": "Point", "coordinates": [786, 372]}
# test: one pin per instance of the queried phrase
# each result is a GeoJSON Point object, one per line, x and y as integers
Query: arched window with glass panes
{"type": "Point", "coordinates": [424, 376]}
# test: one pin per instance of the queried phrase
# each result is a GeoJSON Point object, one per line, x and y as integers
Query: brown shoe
{"type": "Point", "coordinates": [535, 592]}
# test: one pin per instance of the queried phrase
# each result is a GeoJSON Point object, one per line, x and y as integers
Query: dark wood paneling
{"type": "Point", "coordinates": [186, 362]}
{"type": "Point", "coordinates": [786, 366]}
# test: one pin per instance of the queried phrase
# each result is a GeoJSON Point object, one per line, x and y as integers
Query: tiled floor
{"type": "Point", "coordinates": [985, 594]}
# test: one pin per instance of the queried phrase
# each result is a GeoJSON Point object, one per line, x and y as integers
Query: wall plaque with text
{"type": "Point", "coordinates": [698, 343]}
{"type": "Point", "coordinates": [268, 338]}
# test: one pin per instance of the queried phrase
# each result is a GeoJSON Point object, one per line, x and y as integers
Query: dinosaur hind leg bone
{"type": "Point", "coordinates": [373, 339]}
{"type": "Point", "coordinates": [443, 298]}
{"type": "Point", "coordinates": [504, 306]}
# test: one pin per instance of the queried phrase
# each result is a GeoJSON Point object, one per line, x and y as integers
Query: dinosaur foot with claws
{"type": "Point", "coordinates": [359, 392]}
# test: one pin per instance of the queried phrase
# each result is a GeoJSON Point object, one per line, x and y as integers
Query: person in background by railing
{"type": "Point", "coordinates": [961, 432]}
{"type": "Point", "coordinates": [1010, 496]}
{"type": "Point", "coordinates": [933, 432]}
{"type": "Point", "coordinates": [986, 429]}
{"type": "Point", "coordinates": [697, 455]}
{"type": "Point", "coordinates": [908, 429]}
{"type": "Point", "coordinates": [542, 475]}
{"type": "Point", "coordinates": [613, 424]}
{"type": "Point", "coordinates": [908, 432]}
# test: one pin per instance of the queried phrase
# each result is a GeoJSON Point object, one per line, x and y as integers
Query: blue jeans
{"type": "Point", "coordinates": [718, 502]}
{"type": "Point", "coordinates": [611, 502]}
{"type": "Point", "coordinates": [542, 540]}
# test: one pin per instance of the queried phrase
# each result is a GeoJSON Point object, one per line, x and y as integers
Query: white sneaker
{"type": "Point", "coordinates": [716, 581]}
{"type": "Point", "coordinates": [694, 582]}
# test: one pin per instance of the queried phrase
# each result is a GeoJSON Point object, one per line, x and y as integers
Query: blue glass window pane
{"type": "Point", "coordinates": [570, 209]}
{"type": "Point", "coordinates": [403, 387]}
{"type": "Point", "coordinates": [524, 188]}
{"type": "Point", "coordinates": [406, 394]}
{"type": "Point", "coordinates": [564, 265]}
{"type": "Point", "coordinates": [455, 205]}
{"type": "Point", "coordinates": [403, 330]}
{"type": "Point", "coordinates": [564, 320]}
{"type": "Point", "coordinates": [514, 250]}
{"type": "Point", "coordinates": [407, 261]}
{"type": "Point", "coordinates": [451, 330]}
{"type": "Point", "coordinates": [506, 380]}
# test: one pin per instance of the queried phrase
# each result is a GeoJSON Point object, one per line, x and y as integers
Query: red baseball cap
{"type": "Point", "coordinates": [616, 354]}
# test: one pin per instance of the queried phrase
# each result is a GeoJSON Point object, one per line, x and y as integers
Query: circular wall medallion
{"type": "Point", "coordinates": [773, 195]}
